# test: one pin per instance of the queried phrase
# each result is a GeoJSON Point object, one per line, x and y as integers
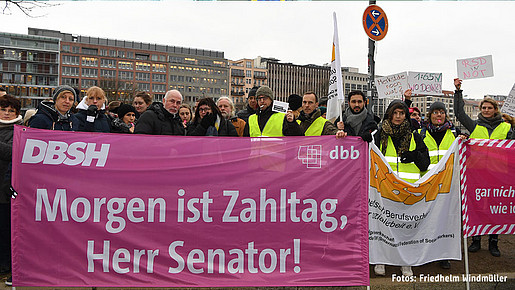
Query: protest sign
{"type": "Point", "coordinates": [488, 196]}
{"type": "Point", "coordinates": [414, 224]}
{"type": "Point", "coordinates": [392, 86]}
{"type": "Point", "coordinates": [425, 83]}
{"type": "Point", "coordinates": [475, 68]}
{"type": "Point", "coordinates": [171, 211]}
{"type": "Point", "coordinates": [509, 104]}
{"type": "Point", "coordinates": [280, 107]}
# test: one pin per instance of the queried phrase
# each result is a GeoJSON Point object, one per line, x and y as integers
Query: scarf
{"type": "Point", "coordinates": [436, 129]}
{"type": "Point", "coordinates": [491, 122]}
{"type": "Point", "coordinates": [355, 120]}
{"type": "Point", "coordinates": [401, 132]}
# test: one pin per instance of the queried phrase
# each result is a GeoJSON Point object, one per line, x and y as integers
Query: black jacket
{"type": "Point", "coordinates": [368, 126]}
{"type": "Point", "coordinates": [156, 120]}
{"type": "Point", "coordinates": [226, 129]}
{"type": "Point", "coordinates": [245, 113]}
{"type": "Point", "coordinates": [48, 118]}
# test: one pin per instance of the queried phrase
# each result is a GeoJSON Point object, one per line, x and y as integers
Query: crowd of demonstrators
{"type": "Point", "coordinates": [124, 122]}
{"type": "Point", "coordinates": [209, 121]}
{"type": "Point", "coordinates": [267, 123]}
{"type": "Point", "coordinates": [226, 107]}
{"type": "Point", "coordinates": [9, 116]}
{"type": "Point", "coordinates": [56, 115]}
{"type": "Point", "coordinates": [141, 102]}
{"type": "Point", "coordinates": [185, 114]}
{"type": "Point", "coordinates": [489, 125]}
{"type": "Point", "coordinates": [91, 116]}
{"type": "Point", "coordinates": [311, 121]}
{"type": "Point", "coordinates": [252, 105]}
{"type": "Point", "coordinates": [404, 150]}
{"type": "Point", "coordinates": [162, 118]}
{"type": "Point", "coordinates": [357, 120]}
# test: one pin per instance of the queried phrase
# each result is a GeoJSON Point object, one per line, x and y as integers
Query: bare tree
{"type": "Point", "coordinates": [28, 7]}
{"type": "Point", "coordinates": [117, 90]}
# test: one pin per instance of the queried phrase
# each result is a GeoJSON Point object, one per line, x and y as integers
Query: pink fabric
{"type": "Point", "coordinates": [487, 186]}
{"type": "Point", "coordinates": [188, 172]}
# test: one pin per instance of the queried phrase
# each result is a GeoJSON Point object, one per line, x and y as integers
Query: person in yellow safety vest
{"type": "Point", "coordinates": [438, 135]}
{"type": "Point", "coordinates": [404, 150]}
{"type": "Point", "coordinates": [357, 120]}
{"type": "Point", "coordinates": [489, 125]}
{"type": "Point", "coordinates": [311, 121]}
{"type": "Point", "coordinates": [266, 122]}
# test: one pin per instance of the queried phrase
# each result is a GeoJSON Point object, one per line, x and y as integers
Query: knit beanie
{"type": "Point", "coordinates": [437, 106]}
{"type": "Point", "coordinates": [265, 92]}
{"type": "Point", "coordinates": [295, 102]}
{"type": "Point", "coordinates": [61, 89]}
{"type": "Point", "coordinates": [252, 92]}
{"type": "Point", "coordinates": [123, 109]}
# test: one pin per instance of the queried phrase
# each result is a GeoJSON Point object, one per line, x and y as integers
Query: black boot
{"type": "Point", "coordinates": [492, 246]}
{"type": "Point", "coordinates": [476, 244]}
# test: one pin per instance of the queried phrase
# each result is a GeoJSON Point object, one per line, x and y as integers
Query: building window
{"type": "Point", "coordinates": [70, 82]}
{"type": "Point", "coordinates": [130, 54]}
{"type": "Point", "coordinates": [66, 48]}
{"type": "Point", "coordinates": [108, 73]}
{"type": "Point", "coordinates": [70, 71]}
{"type": "Point", "coordinates": [143, 87]}
{"type": "Point", "coordinates": [125, 65]}
{"type": "Point", "coordinates": [89, 61]}
{"type": "Point", "coordinates": [110, 63]}
{"type": "Point", "coordinates": [142, 76]}
{"type": "Point", "coordinates": [159, 78]}
{"type": "Point", "coordinates": [121, 53]}
{"type": "Point", "coordinates": [90, 72]}
{"type": "Point", "coordinates": [157, 67]}
{"type": "Point", "coordinates": [248, 73]}
{"type": "Point", "coordinates": [85, 83]}
{"type": "Point", "coordinates": [158, 88]}
{"type": "Point", "coordinates": [103, 52]}
{"type": "Point", "coordinates": [70, 59]}
{"type": "Point", "coordinates": [90, 51]}
{"type": "Point", "coordinates": [249, 64]}
{"type": "Point", "coordinates": [75, 49]}
{"type": "Point", "coordinates": [125, 75]}
{"type": "Point", "coordinates": [143, 66]}
{"type": "Point", "coordinates": [141, 56]}
{"type": "Point", "coordinates": [112, 53]}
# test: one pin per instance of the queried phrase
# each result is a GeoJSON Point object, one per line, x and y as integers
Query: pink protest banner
{"type": "Point", "coordinates": [488, 192]}
{"type": "Point", "coordinates": [169, 211]}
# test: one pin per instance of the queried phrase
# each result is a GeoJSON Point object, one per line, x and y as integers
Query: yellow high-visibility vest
{"type": "Point", "coordinates": [273, 127]}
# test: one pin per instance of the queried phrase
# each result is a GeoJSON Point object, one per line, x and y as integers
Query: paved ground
{"type": "Point", "coordinates": [480, 263]}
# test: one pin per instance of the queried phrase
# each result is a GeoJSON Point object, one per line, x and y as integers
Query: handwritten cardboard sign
{"type": "Point", "coordinates": [392, 86]}
{"type": "Point", "coordinates": [475, 68]}
{"type": "Point", "coordinates": [424, 83]}
{"type": "Point", "coordinates": [509, 104]}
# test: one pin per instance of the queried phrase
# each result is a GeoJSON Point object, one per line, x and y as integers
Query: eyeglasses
{"type": "Point", "coordinates": [204, 109]}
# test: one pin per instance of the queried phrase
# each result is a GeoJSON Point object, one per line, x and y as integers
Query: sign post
{"type": "Point", "coordinates": [375, 24]}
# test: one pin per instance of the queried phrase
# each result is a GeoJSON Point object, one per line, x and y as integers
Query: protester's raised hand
{"type": "Point", "coordinates": [407, 94]}
{"type": "Point", "coordinates": [457, 83]}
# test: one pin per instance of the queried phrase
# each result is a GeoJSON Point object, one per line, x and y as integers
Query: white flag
{"type": "Point", "coordinates": [335, 95]}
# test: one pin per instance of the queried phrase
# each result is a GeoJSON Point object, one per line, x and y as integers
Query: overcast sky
{"type": "Point", "coordinates": [422, 36]}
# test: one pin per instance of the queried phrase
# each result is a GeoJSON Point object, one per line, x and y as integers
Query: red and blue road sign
{"type": "Point", "coordinates": [375, 22]}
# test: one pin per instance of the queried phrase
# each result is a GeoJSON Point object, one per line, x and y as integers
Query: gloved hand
{"type": "Point", "coordinates": [91, 113]}
{"type": "Point", "coordinates": [208, 120]}
{"type": "Point", "coordinates": [408, 156]}
{"type": "Point", "coordinates": [366, 136]}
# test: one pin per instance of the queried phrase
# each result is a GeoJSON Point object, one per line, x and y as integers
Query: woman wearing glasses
{"type": "Point", "coordinates": [489, 125]}
{"type": "Point", "coordinates": [208, 121]}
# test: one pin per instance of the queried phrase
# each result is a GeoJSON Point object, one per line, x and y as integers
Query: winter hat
{"type": "Point", "coordinates": [61, 89]}
{"type": "Point", "coordinates": [413, 109]}
{"type": "Point", "coordinates": [123, 109]}
{"type": "Point", "coordinates": [323, 110]}
{"type": "Point", "coordinates": [266, 92]}
{"type": "Point", "coordinates": [252, 92]}
{"type": "Point", "coordinates": [295, 102]}
{"type": "Point", "coordinates": [437, 106]}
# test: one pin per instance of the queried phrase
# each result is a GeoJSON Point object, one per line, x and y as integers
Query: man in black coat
{"type": "Point", "coordinates": [162, 118]}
